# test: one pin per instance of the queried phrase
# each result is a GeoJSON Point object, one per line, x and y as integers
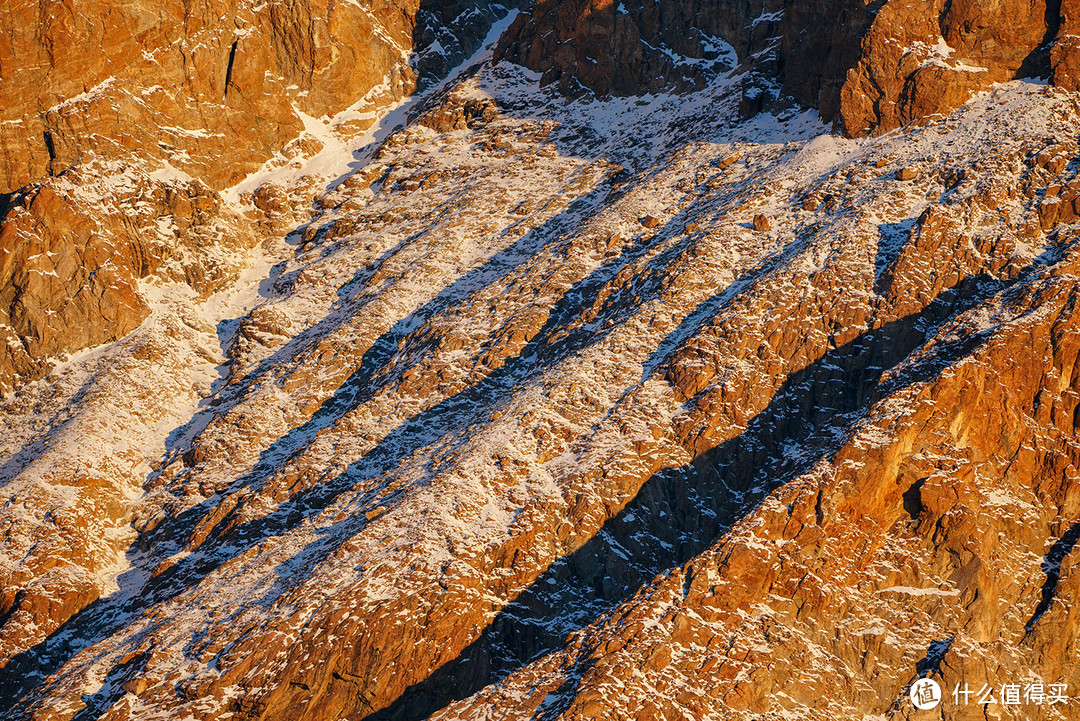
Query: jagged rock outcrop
{"type": "Point", "coordinates": [209, 86]}
{"type": "Point", "coordinates": [541, 407]}
{"type": "Point", "coordinates": [73, 248]}
{"type": "Point", "coordinates": [1065, 52]}
{"type": "Point", "coordinates": [486, 412]}
{"type": "Point", "coordinates": [211, 89]}
{"type": "Point", "coordinates": [920, 58]}
{"type": "Point", "coordinates": [873, 66]}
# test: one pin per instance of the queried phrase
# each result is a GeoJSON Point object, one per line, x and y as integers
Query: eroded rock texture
{"type": "Point", "coordinates": [175, 100]}
{"type": "Point", "coordinates": [209, 86]}
{"type": "Point", "coordinates": [873, 66]}
{"type": "Point", "coordinates": [527, 406]}
{"type": "Point", "coordinates": [925, 58]}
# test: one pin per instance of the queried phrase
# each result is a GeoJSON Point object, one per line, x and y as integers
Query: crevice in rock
{"type": "Point", "coordinates": [935, 654]}
{"type": "Point", "coordinates": [929, 664]}
{"type": "Point", "coordinates": [229, 69]}
{"type": "Point", "coordinates": [50, 145]}
{"type": "Point", "coordinates": [913, 499]}
{"type": "Point", "coordinates": [1051, 566]}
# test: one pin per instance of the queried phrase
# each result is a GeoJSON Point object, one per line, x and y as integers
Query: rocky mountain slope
{"type": "Point", "coordinates": [600, 377]}
{"type": "Point", "coordinates": [121, 125]}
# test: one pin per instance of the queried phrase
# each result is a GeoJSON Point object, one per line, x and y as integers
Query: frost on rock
{"type": "Point", "coordinates": [464, 438]}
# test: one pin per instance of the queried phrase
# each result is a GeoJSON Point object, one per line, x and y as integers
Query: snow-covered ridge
{"type": "Point", "coordinates": [482, 344]}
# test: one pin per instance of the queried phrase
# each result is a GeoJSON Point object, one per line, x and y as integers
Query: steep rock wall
{"type": "Point", "coordinates": [872, 66]}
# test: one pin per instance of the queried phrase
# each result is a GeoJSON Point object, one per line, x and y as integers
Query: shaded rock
{"type": "Point", "coordinates": [873, 66]}
{"type": "Point", "coordinates": [801, 48]}
{"type": "Point", "coordinates": [448, 33]}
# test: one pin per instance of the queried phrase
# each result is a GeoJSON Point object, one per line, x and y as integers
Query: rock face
{"type": "Point", "coordinates": [927, 58]}
{"type": "Point", "coordinates": [205, 92]}
{"type": "Point", "coordinates": [73, 248]}
{"type": "Point", "coordinates": [209, 86]}
{"type": "Point", "coordinates": [485, 441]}
{"type": "Point", "coordinates": [800, 49]}
{"type": "Point", "coordinates": [1065, 52]}
{"type": "Point", "coordinates": [538, 407]}
{"type": "Point", "coordinates": [872, 66]}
